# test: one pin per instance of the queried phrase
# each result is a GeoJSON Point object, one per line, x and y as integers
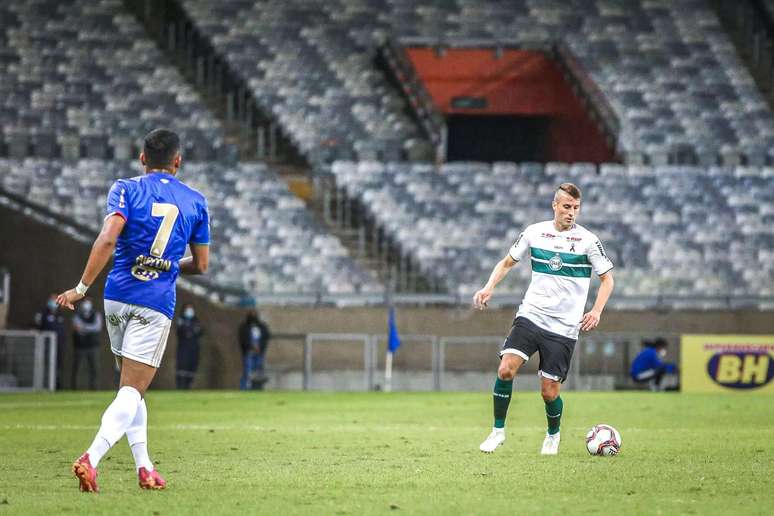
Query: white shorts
{"type": "Point", "coordinates": [137, 332]}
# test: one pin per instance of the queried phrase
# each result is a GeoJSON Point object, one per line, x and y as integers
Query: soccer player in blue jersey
{"type": "Point", "coordinates": [150, 221]}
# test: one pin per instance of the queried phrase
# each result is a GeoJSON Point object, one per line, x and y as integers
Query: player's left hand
{"type": "Point", "coordinates": [66, 299]}
{"type": "Point", "coordinates": [590, 320]}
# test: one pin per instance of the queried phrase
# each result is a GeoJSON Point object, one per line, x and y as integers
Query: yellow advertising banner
{"type": "Point", "coordinates": [727, 363]}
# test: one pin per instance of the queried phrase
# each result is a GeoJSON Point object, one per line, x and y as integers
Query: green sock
{"type": "Point", "coordinates": [554, 414]}
{"type": "Point", "coordinates": [502, 398]}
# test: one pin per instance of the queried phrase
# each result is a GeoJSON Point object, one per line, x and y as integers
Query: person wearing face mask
{"type": "Point", "coordinates": [254, 338]}
{"type": "Point", "coordinates": [87, 325]}
{"type": "Point", "coordinates": [50, 319]}
{"type": "Point", "coordinates": [649, 366]}
{"type": "Point", "coordinates": [189, 331]}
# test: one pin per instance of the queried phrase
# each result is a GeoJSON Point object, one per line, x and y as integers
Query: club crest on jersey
{"type": "Point", "coordinates": [555, 263]}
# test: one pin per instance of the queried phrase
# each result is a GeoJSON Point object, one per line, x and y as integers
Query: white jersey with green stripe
{"type": "Point", "coordinates": [562, 263]}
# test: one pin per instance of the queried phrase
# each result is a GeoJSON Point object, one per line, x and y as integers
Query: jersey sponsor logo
{"type": "Point", "coordinates": [148, 268]}
{"type": "Point", "coordinates": [601, 250]}
{"type": "Point", "coordinates": [144, 274]}
{"type": "Point", "coordinates": [741, 369]}
{"type": "Point", "coordinates": [116, 319]}
{"type": "Point", "coordinates": [548, 235]}
{"type": "Point", "coordinates": [574, 239]}
{"type": "Point", "coordinates": [555, 263]}
{"type": "Point", "coordinates": [153, 262]}
{"type": "Point", "coordinates": [122, 199]}
{"type": "Point", "coordinates": [518, 240]}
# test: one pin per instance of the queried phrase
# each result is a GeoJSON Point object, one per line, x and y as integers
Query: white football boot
{"type": "Point", "coordinates": [495, 439]}
{"type": "Point", "coordinates": [550, 444]}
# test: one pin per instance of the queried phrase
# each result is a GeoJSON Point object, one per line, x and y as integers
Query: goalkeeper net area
{"type": "Point", "coordinates": [27, 360]}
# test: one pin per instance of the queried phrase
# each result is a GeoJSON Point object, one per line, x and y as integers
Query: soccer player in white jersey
{"type": "Point", "coordinates": [563, 255]}
{"type": "Point", "coordinates": [150, 221]}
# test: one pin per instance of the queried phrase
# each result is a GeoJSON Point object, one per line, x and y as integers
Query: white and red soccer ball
{"type": "Point", "coordinates": [603, 440]}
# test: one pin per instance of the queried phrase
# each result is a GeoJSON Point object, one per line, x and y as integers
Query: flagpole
{"type": "Point", "coordinates": [388, 372]}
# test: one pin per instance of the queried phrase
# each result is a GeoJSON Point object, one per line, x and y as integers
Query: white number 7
{"type": "Point", "coordinates": [170, 213]}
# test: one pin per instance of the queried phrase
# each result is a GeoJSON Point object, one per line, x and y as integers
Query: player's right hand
{"type": "Point", "coordinates": [66, 299]}
{"type": "Point", "coordinates": [481, 298]}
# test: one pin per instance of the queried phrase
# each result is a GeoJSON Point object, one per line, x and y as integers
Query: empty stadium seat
{"type": "Point", "coordinates": [671, 230]}
{"type": "Point", "coordinates": [264, 240]}
{"type": "Point", "coordinates": [77, 72]}
{"type": "Point", "coordinates": [669, 72]}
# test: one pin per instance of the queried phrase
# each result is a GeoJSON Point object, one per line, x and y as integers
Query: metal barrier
{"type": "Point", "coordinates": [379, 344]}
{"type": "Point", "coordinates": [5, 295]}
{"type": "Point", "coordinates": [600, 361]}
{"type": "Point", "coordinates": [27, 360]}
{"type": "Point", "coordinates": [478, 341]}
{"type": "Point", "coordinates": [357, 338]}
{"type": "Point", "coordinates": [610, 354]}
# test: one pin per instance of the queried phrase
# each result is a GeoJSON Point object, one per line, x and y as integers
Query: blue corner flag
{"type": "Point", "coordinates": [393, 340]}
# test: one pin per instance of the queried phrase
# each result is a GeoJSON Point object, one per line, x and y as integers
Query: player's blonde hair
{"type": "Point", "coordinates": [570, 189]}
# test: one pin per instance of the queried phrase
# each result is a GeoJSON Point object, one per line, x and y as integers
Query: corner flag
{"type": "Point", "coordinates": [393, 340]}
{"type": "Point", "coordinates": [393, 343]}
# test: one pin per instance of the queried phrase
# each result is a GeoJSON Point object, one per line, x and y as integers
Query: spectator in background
{"type": "Point", "coordinates": [648, 366]}
{"type": "Point", "coordinates": [189, 331]}
{"type": "Point", "coordinates": [254, 338]}
{"type": "Point", "coordinates": [49, 319]}
{"type": "Point", "coordinates": [87, 325]}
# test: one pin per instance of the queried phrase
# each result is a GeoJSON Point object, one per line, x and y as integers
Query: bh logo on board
{"type": "Point", "coordinates": [741, 367]}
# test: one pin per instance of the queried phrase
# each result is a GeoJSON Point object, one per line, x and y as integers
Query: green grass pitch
{"type": "Point", "coordinates": [283, 453]}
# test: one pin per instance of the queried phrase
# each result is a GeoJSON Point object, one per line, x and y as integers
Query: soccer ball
{"type": "Point", "coordinates": [603, 440]}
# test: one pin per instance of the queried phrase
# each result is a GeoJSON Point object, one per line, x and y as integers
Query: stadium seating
{"type": "Point", "coordinates": [82, 79]}
{"type": "Point", "coordinates": [317, 80]}
{"type": "Point", "coordinates": [264, 240]}
{"type": "Point", "coordinates": [670, 230]}
{"type": "Point", "coordinates": [669, 71]}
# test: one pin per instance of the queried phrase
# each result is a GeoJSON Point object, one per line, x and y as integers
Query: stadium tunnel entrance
{"type": "Point", "coordinates": [514, 105]}
{"type": "Point", "coordinates": [497, 138]}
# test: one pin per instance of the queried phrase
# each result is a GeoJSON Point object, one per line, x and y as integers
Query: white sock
{"type": "Point", "coordinates": [115, 421]}
{"type": "Point", "coordinates": [137, 435]}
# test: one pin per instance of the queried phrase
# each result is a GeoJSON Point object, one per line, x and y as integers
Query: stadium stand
{"type": "Point", "coordinates": [669, 71]}
{"type": "Point", "coordinates": [264, 238]}
{"type": "Point", "coordinates": [671, 230]}
{"type": "Point", "coordinates": [317, 80]}
{"type": "Point", "coordinates": [82, 79]}
{"type": "Point", "coordinates": [77, 85]}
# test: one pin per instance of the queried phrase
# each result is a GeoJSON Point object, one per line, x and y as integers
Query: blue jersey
{"type": "Point", "coordinates": [162, 217]}
{"type": "Point", "coordinates": [648, 359]}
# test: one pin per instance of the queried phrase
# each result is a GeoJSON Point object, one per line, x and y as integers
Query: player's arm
{"type": "Point", "coordinates": [482, 297]}
{"type": "Point", "coordinates": [592, 317]}
{"type": "Point", "coordinates": [101, 251]}
{"type": "Point", "coordinates": [198, 262]}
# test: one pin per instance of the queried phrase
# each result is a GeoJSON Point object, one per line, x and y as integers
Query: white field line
{"type": "Point", "coordinates": [48, 404]}
{"type": "Point", "coordinates": [354, 427]}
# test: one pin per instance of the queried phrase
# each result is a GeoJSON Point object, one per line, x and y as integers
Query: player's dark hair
{"type": "Point", "coordinates": [161, 147]}
{"type": "Point", "coordinates": [659, 342]}
{"type": "Point", "coordinates": [571, 190]}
